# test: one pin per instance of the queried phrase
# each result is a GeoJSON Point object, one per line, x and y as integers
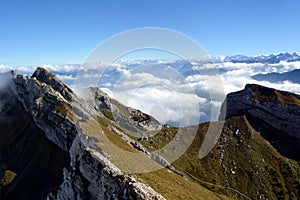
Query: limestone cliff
{"type": "Point", "coordinates": [45, 112]}
{"type": "Point", "coordinates": [273, 113]}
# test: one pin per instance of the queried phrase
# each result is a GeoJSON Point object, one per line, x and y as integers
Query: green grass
{"type": "Point", "coordinates": [267, 95]}
{"type": "Point", "coordinates": [258, 167]}
{"type": "Point", "coordinates": [288, 99]}
{"type": "Point", "coordinates": [8, 177]}
{"type": "Point", "coordinates": [248, 167]}
{"type": "Point", "coordinates": [123, 109]}
{"type": "Point", "coordinates": [65, 109]}
{"type": "Point", "coordinates": [160, 139]}
{"type": "Point", "coordinates": [107, 114]}
{"type": "Point", "coordinates": [173, 186]}
{"type": "Point", "coordinates": [169, 184]}
{"type": "Point", "coordinates": [114, 138]}
{"type": "Point", "coordinates": [240, 166]}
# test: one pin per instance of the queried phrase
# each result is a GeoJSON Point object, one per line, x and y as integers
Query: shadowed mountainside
{"type": "Point", "coordinates": [37, 162]}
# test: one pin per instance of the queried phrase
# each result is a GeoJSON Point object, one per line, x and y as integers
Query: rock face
{"type": "Point", "coordinates": [46, 77]}
{"type": "Point", "coordinates": [43, 110]}
{"type": "Point", "coordinates": [92, 176]}
{"type": "Point", "coordinates": [128, 118]}
{"type": "Point", "coordinates": [42, 102]}
{"type": "Point", "coordinates": [37, 162]}
{"type": "Point", "coordinates": [273, 113]}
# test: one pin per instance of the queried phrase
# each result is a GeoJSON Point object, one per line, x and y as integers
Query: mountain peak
{"type": "Point", "coordinates": [40, 130]}
{"type": "Point", "coordinates": [272, 58]}
{"type": "Point", "coordinates": [267, 107]}
{"type": "Point", "coordinates": [42, 74]}
{"type": "Point", "coordinates": [47, 77]}
{"type": "Point", "coordinates": [262, 94]}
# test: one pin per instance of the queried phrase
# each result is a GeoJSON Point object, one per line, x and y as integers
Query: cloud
{"type": "Point", "coordinates": [5, 68]}
{"type": "Point", "coordinates": [285, 66]}
{"type": "Point", "coordinates": [236, 78]}
{"type": "Point", "coordinates": [146, 92]}
{"type": "Point", "coordinates": [5, 81]}
{"type": "Point", "coordinates": [205, 90]}
{"type": "Point", "coordinates": [65, 77]}
{"type": "Point", "coordinates": [61, 68]}
{"type": "Point", "coordinates": [159, 88]}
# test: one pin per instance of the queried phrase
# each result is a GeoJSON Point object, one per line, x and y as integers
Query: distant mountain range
{"type": "Point", "coordinates": [293, 76]}
{"type": "Point", "coordinates": [271, 59]}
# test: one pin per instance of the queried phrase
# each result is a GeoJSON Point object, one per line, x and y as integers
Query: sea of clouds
{"type": "Point", "coordinates": [173, 91]}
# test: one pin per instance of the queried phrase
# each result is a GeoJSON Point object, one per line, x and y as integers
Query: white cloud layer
{"type": "Point", "coordinates": [5, 68]}
{"type": "Point", "coordinates": [160, 88]}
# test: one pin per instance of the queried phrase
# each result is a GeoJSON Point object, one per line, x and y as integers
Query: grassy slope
{"type": "Point", "coordinates": [244, 162]}
{"type": "Point", "coordinates": [241, 165]}
{"type": "Point", "coordinates": [170, 185]}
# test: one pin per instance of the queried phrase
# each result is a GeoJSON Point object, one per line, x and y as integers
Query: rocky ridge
{"type": "Point", "coordinates": [55, 109]}
{"type": "Point", "coordinates": [275, 114]}
{"type": "Point", "coordinates": [127, 118]}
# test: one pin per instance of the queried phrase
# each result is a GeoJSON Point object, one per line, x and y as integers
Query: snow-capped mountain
{"type": "Point", "coordinates": [271, 59]}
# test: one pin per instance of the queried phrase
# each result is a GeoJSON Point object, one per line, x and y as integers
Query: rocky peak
{"type": "Point", "coordinates": [44, 76]}
{"type": "Point", "coordinates": [273, 113]}
{"type": "Point", "coordinates": [100, 99]}
{"type": "Point", "coordinates": [128, 118]}
{"type": "Point", "coordinates": [54, 110]}
{"type": "Point", "coordinates": [48, 102]}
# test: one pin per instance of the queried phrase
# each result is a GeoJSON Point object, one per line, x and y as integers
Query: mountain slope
{"type": "Point", "coordinates": [292, 76]}
{"type": "Point", "coordinates": [273, 113]}
{"type": "Point", "coordinates": [55, 145]}
{"type": "Point", "coordinates": [50, 156]}
{"type": "Point", "coordinates": [37, 162]}
{"type": "Point", "coordinates": [242, 161]}
{"type": "Point", "coordinates": [245, 164]}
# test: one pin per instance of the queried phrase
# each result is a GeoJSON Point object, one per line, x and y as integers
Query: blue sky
{"type": "Point", "coordinates": [35, 32]}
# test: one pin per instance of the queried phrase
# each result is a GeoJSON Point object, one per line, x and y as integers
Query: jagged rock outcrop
{"type": "Point", "coordinates": [93, 176]}
{"type": "Point", "coordinates": [128, 118]}
{"type": "Point", "coordinates": [48, 78]}
{"type": "Point", "coordinates": [42, 102]}
{"type": "Point", "coordinates": [53, 111]}
{"type": "Point", "coordinates": [273, 113]}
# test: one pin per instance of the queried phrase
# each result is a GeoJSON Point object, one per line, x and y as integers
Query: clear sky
{"type": "Point", "coordinates": [34, 32]}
